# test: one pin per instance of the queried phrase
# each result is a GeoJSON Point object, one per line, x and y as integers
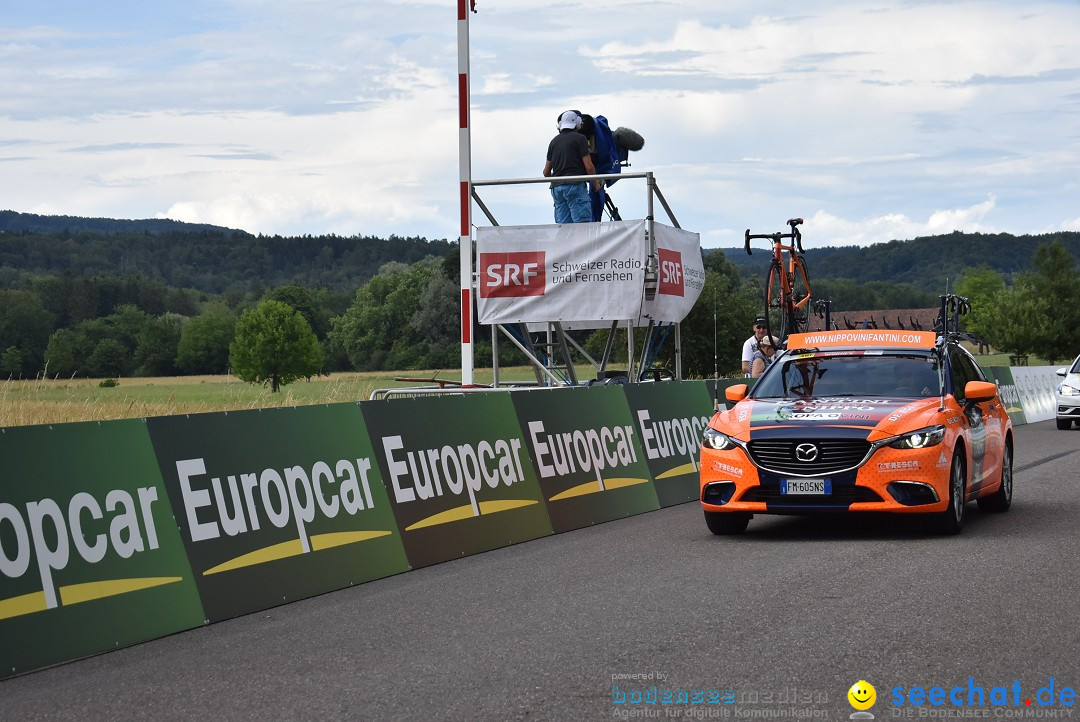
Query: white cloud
{"type": "Point", "coordinates": [875, 120]}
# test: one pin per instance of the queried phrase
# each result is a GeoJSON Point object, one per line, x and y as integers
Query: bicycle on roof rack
{"type": "Point", "coordinates": [948, 320]}
{"type": "Point", "coordinates": [787, 286]}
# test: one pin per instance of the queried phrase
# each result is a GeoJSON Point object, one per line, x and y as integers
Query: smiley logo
{"type": "Point", "coordinates": [862, 695]}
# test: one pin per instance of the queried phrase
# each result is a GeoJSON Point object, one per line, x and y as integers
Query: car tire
{"type": "Point", "coordinates": [951, 520]}
{"type": "Point", "coordinates": [727, 523]}
{"type": "Point", "coordinates": [1064, 424]}
{"type": "Point", "coordinates": [1001, 499]}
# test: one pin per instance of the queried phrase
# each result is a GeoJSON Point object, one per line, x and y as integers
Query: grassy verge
{"type": "Point", "coordinates": [57, 401]}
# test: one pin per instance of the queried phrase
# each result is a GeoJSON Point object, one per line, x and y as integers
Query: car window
{"type": "Point", "coordinates": [963, 369]}
{"type": "Point", "coordinates": [1076, 366]}
{"type": "Point", "coordinates": [852, 374]}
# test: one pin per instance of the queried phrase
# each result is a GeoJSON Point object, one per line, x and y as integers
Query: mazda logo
{"type": "Point", "coordinates": [806, 452]}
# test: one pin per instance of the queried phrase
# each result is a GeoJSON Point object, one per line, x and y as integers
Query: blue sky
{"type": "Point", "coordinates": [875, 120]}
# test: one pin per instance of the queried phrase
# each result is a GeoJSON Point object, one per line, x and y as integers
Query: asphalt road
{"type": "Point", "coordinates": [781, 622]}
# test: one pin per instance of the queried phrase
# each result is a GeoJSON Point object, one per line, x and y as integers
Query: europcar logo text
{"type": "Point", "coordinates": [54, 534]}
{"type": "Point", "coordinates": [457, 471]}
{"type": "Point", "coordinates": [238, 504]}
{"type": "Point", "coordinates": [588, 452]}
{"type": "Point", "coordinates": [678, 438]}
{"type": "Point", "coordinates": [978, 700]}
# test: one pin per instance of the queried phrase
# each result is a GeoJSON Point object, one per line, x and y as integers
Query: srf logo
{"type": "Point", "coordinates": [510, 275]}
{"type": "Point", "coordinates": [671, 272]}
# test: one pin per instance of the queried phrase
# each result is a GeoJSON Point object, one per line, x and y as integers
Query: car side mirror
{"type": "Point", "coordinates": [1061, 372]}
{"type": "Point", "coordinates": [735, 393]}
{"type": "Point", "coordinates": [979, 391]}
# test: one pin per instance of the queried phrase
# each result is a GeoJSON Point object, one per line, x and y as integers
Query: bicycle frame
{"type": "Point", "coordinates": [787, 273]}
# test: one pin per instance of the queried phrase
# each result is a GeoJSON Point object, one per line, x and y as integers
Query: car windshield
{"type": "Point", "coordinates": [851, 374]}
{"type": "Point", "coordinates": [1076, 366]}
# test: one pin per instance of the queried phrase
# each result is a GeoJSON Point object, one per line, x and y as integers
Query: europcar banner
{"type": "Point", "coordinates": [275, 505]}
{"type": "Point", "coordinates": [1010, 395]}
{"type": "Point", "coordinates": [587, 454]}
{"type": "Point", "coordinates": [90, 558]}
{"type": "Point", "coordinates": [670, 418]}
{"type": "Point", "coordinates": [1037, 387]}
{"type": "Point", "coordinates": [458, 474]}
{"type": "Point", "coordinates": [680, 276]}
{"type": "Point", "coordinates": [568, 272]}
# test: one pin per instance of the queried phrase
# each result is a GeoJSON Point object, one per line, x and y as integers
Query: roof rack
{"type": "Point", "coordinates": [947, 325]}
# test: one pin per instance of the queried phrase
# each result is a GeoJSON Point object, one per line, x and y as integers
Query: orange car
{"type": "Point", "coordinates": [865, 420]}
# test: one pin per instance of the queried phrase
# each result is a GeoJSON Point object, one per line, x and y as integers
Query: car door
{"type": "Point", "coordinates": [984, 419]}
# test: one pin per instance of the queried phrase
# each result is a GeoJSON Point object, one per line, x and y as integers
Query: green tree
{"type": "Point", "coordinates": [1055, 281]}
{"type": "Point", "coordinates": [204, 341]}
{"type": "Point", "coordinates": [155, 351]}
{"type": "Point", "coordinates": [1017, 318]}
{"type": "Point", "coordinates": [274, 345]}
{"type": "Point", "coordinates": [716, 327]}
{"type": "Point", "coordinates": [11, 363]}
{"type": "Point", "coordinates": [26, 325]}
{"type": "Point", "coordinates": [386, 326]}
{"type": "Point", "coordinates": [62, 356]}
{"type": "Point", "coordinates": [303, 301]}
{"type": "Point", "coordinates": [434, 323]}
{"type": "Point", "coordinates": [980, 285]}
{"type": "Point", "coordinates": [109, 358]}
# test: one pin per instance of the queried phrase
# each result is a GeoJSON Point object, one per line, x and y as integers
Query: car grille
{"type": "Point", "coordinates": [841, 495]}
{"type": "Point", "coordinates": [833, 455]}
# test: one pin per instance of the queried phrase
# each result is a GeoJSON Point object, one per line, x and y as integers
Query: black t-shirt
{"type": "Point", "coordinates": [566, 152]}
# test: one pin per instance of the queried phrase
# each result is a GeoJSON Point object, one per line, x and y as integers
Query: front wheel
{"type": "Point", "coordinates": [1064, 424]}
{"type": "Point", "coordinates": [1001, 499]}
{"type": "Point", "coordinates": [727, 522]}
{"type": "Point", "coordinates": [951, 520]}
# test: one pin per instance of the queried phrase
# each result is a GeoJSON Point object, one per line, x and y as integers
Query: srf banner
{"type": "Point", "coordinates": [569, 272]}
{"type": "Point", "coordinates": [680, 276]}
{"type": "Point", "coordinates": [90, 558]}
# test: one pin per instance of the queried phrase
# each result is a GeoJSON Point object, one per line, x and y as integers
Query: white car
{"type": "Point", "coordinates": [1068, 396]}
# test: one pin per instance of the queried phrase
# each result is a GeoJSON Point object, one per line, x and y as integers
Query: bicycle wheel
{"type": "Point", "coordinates": [774, 302]}
{"type": "Point", "coordinates": [799, 310]}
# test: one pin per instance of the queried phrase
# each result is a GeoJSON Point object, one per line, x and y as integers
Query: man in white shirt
{"type": "Point", "coordinates": [751, 344]}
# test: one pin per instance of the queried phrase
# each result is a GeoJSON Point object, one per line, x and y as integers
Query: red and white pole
{"type": "Point", "coordinates": [465, 178]}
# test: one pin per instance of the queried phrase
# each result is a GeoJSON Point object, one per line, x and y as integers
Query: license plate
{"type": "Point", "coordinates": [806, 486]}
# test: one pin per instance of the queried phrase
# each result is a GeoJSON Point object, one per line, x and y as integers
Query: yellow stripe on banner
{"type": "Point", "coordinates": [444, 517]}
{"type": "Point", "coordinates": [592, 487]}
{"type": "Point", "coordinates": [259, 556]}
{"type": "Point", "coordinates": [494, 507]}
{"type": "Point", "coordinates": [89, 591]}
{"type": "Point", "coordinates": [620, 483]}
{"type": "Point", "coordinates": [678, 471]}
{"type": "Point", "coordinates": [461, 513]}
{"type": "Point", "coordinates": [341, 538]}
{"type": "Point", "coordinates": [23, 604]}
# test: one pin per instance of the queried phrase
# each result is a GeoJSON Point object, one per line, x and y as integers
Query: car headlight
{"type": "Point", "coordinates": [1066, 390]}
{"type": "Point", "coordinates": [716, 440]}
{"type": "Point", "coordinates": [920, 439]}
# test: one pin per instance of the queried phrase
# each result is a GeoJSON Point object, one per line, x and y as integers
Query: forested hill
{"type": "Point", "coordinates": [207, 258]}
{"type": "Point", "coordinates": [13, 222]}
{"type": "Point", "coordinates": [924, 262]}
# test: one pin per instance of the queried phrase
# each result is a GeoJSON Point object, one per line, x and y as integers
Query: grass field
{"type": "Point", "coordinates": [56, 401]}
